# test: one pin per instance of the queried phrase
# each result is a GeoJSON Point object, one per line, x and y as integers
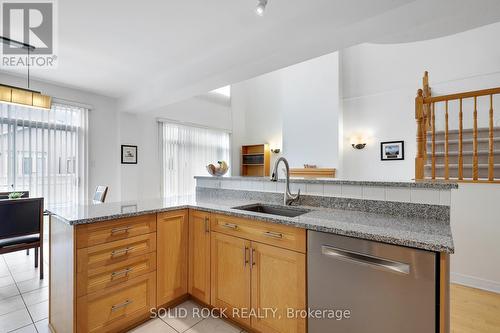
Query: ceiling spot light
{"type": "Point", "coordinates": [261, 7]}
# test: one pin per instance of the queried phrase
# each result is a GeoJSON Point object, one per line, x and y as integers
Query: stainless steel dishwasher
{"type": "Point", "coordinates": [385, 288]}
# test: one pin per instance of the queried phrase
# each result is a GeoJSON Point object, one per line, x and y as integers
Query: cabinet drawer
{"type": "Point", "coordinates": [105, 232]}
{"type": "Point", "coordinates": [115, 252]}
{"type": "Point", "coordinates": [116, 308]}
{"type": "Point", "coordinates": [265, 232]}
{"type": "Point", "coordinates": [91, 280]}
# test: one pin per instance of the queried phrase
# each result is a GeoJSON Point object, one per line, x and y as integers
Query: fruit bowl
{"type": "Point", "coordinates": [218, 170]}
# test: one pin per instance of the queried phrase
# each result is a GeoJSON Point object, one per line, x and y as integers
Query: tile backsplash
{"type": "Point", "coordinates": [383, 192]}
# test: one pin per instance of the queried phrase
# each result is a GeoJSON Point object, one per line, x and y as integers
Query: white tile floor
{"type": "Point", "coordinates": [187, 322]}
{"type": "Point", "coordinates": [24, 303]}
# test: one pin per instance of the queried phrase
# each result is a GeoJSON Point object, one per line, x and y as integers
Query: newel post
{"type": "Point", "coordinates": [419, 117]}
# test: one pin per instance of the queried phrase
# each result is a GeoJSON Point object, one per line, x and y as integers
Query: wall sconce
{"type": "Point", "coordinates": [358, 145]}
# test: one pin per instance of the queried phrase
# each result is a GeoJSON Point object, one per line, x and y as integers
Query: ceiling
{"type": "Point", "coordinates": [152, 53]}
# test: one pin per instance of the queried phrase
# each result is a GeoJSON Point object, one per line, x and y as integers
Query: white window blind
{"type": "Point", "coordinates": [185, 153]}
{"type": "Point", "coordinates": [43, 151]}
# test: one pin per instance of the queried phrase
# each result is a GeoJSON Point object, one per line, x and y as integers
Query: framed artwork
{"type": "Point", "coordinates": [129, 154]}
{"type": "Point", "coordinates": [392, 151]}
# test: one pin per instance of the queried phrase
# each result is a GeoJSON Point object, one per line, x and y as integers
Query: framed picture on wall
{"type": "Point", "coordinates": [392, 151]}
{"type": "Point", "coordinates": [129, 154]}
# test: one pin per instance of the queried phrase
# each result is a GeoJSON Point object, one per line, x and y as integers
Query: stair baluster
{"type": "Point", "coordinates": [460, 143]}
{"type": "Point", "coordinates": [475, 168]}
{"type": "Point", "coordinates": [446, 144]}
{"type": "Point", "coordinates": [433, 125]}
{"type": "Point", "coordinates": [491, 157]}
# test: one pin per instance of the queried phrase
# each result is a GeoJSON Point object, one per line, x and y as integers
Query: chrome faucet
{"type": "Point", "coordinates": [289, 198]}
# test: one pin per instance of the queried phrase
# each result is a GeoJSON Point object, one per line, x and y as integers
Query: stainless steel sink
{"type": "Point", "coordinates": [273, 210]}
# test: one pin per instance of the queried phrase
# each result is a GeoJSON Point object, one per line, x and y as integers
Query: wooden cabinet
{"type": "Point", "coordinates": [263, 232]}
{"type": "Point", "coordinates": [100, 233]}
{"type": "Point", "coordinates": [172, 256]}
{"type": "Point", "coordinates": [120, 269]}
{"type": "Point", "coordinates": [116, 308]}
{"type": "Point", "coordinates": [199, 255]}
{"type": "Point", "coordinates": [278, 282]}
{"type": "Point", "coordinates": [230, 268]}
{"type": "Point", "coordinates": [250, 275]}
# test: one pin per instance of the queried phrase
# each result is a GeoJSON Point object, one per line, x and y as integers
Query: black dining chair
{"type": "Point", "coordinates": [21, 227]}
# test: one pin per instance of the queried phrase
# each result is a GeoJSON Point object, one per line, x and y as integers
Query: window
{"type": "Point", "coordinates": [42, 151]}
{"type": "Point", "coordinates": [27, 165]}
{"type": "Point", "coordinates": [186, 151]}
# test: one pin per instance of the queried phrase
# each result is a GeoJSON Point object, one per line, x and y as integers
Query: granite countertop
{"type": "Point", "coordinates": [426, 234]}
{"type": "Point", "coordinates": [436, 184]}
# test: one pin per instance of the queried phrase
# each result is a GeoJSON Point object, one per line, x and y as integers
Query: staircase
{"type": "Point", "coordinates": [467, 152]}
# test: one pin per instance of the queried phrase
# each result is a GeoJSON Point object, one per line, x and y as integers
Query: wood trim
{"type": "Point", "coordinates": [444, 293]}
{"type": "Point", "coordinates": [469, 94]}
{"type": "Point", "coordinates": [313, 172]}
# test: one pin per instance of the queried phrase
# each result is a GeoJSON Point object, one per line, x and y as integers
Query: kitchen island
{"type": "Point", "coordinates": [110, 264]}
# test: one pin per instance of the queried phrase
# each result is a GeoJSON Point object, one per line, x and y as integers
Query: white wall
{"type": "Point", "coordinates": [295, 109]}
{"type": "Point", "coordinates": [142, 181]}
{"type": "Point", "coordinates": [379, 84]}
{"type": "Point", "coordinates": [476, 232]}
{"type": "Point", "coordinates": [104, 155]}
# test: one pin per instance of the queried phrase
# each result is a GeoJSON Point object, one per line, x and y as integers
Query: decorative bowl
{"type": "Point", "coordinates": [218, 170]}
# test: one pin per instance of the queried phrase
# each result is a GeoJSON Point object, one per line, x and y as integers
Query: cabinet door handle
{"type": "Point", "coordinates": [121, 251]}
{"type": "Point", "coordinates": [245, 250]}
{"type": "Point", "coordinates": [122, 229]}
{"type": "Point", "coordinates": [207, 226]}
{"type": "Point", "coordinates": [230, 226]}
{"type": "Point", "coordinates": [122, 272]}
{"type": "Point", "coordinates": [121, 305]}
{"type": "Point", "coordinates": [252, 256]}
{"type": "Point", "coordinates": [272, 234]}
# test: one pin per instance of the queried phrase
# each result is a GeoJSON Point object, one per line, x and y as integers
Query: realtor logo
{"type": "Point", "coordinates": [30, 23]}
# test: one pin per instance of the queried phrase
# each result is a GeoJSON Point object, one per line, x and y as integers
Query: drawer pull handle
{"type": "Point", "coordinates": [121, 251]}
{"type": "Point", "coordinates": [230, 226]}
{"type": "Point", "coordinates": [122, 272]}
{"type": "Point", "coordinates": [207, 225]}
{"type": "Point", "coordinates": [121, 305]}
{"type": "Point", "coordinates": [273, 234]}
{"type": "Point", "coordinates": [117, 230]}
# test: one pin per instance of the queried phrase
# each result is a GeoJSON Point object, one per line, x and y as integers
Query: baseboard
{"type": "Point", "coordinates": [474, 282]}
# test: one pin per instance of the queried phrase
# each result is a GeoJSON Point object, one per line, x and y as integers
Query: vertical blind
{"type": "Point", "coordinates": [185, 153]}
{"type": "Point", "coordinates": [43, 151]}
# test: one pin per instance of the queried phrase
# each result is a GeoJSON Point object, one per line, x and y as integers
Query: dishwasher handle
{"type": "Point", "coordinates": [364, 259]}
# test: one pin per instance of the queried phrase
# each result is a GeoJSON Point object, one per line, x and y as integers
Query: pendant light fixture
{"type": "Point", "coordinates": [21, 96]}
{"type": "Point", "coordinates": [261, 7]}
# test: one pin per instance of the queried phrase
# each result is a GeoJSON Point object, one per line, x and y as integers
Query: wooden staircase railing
{"type": "Point", "coordinates": [425, 115]}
